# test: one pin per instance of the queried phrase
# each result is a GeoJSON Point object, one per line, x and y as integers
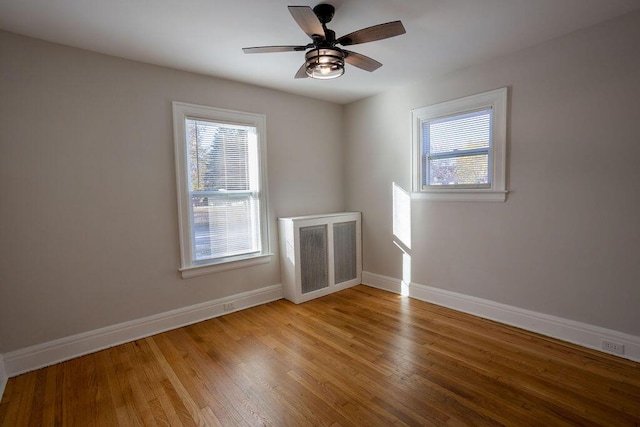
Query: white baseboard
{"type": "Point", "coordinates": [382, 282]}
{"type": "Point", "coordinates": [583, 334]}
{"type": "Point", "coordinates": [3, 376]}
{"type": "Point", "coordinates": [37, 356]}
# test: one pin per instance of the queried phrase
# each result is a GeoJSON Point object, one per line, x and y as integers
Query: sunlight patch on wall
{"type": "Point", "coordinates": [402, 232]}
{"type": "Point", "coordinates": [402, 215]}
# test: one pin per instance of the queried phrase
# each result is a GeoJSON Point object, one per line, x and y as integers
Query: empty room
{"type": "Point", "coordinates": [351, 213]}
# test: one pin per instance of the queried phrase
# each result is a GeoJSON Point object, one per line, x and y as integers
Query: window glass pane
{"type": "Point", "coordinates": [225, 226]}
{"type": "Point", "coordinates": [456, 149]}
{"type": "Point", "coordinates": [223, 184]}
{"type": "Point", "coordinates": [467, 170]}
{"type": "Point", "coordinates": [219, 157]}
{"type": "Point", "coordinates": [460, 132]}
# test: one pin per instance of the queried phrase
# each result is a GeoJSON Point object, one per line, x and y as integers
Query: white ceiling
{"type": "Point", "coordinates": [207, 36]}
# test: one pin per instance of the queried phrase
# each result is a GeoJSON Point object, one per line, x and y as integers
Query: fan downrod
{"type": "Point", "coordinates": [324, 12]}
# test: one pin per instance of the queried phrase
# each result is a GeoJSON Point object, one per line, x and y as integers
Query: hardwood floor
{"type": "Point", "coordinates": [361, 357]}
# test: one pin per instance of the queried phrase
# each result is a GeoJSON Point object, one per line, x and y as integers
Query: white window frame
{"type": "Point", "coordinates": [497, 191]}
{"type": "Point", "coordinates": [181, 112]}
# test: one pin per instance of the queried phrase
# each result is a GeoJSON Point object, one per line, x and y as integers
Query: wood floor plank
{"type": "Point", "coordinates": [361, 356]}
{"type": "Point", "coordinates": [222, 394]}
{"type": "Point", "coordinates": [27, 392]}
{"type": "Point", "coordinates": [192, 410]}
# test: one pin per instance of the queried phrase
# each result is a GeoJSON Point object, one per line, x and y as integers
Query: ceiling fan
{"type": "Point", "coordinates": [324, 59]}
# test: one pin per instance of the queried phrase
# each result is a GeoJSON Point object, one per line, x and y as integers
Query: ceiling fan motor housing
{"type": "Point", "coordinates": [324, 12]}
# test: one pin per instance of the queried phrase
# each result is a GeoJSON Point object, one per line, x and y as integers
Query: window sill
{"type": "Point", "coordinates": [202, 270]}
{"type": "Point", "coordinates": [461, 196]}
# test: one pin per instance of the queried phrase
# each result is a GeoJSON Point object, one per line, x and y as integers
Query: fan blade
{"type": "Point", "coordinates": [270, 49]}
{"type": "Point", "coordinates": [370, 34]}
{"type": "Point", "coordinates": [361, 61]}
{"type": "Point", "coordinates": [307, 20]}
{"type": "Point", "coordinates": [302, 72]}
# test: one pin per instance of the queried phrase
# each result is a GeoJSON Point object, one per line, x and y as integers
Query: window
{"type": "Point", "coordinates": [460, 148]}
{"type": "Point", "coordinates": [221, 177]}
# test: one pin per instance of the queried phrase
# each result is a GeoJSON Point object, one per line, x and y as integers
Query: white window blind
{"type": "Point", "coordinates": [223, 173]}
{"type": "Point", "coordinates": [456, 150]}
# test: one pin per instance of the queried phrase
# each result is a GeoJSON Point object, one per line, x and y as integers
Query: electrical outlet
{"type": "Point", "coordinates": [228, 306]}
{"type": "Point", "coordinates": [613, 347]}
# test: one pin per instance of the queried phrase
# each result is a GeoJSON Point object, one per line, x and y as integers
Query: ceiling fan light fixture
{"type": "Point", "coordinates": [324, 63]}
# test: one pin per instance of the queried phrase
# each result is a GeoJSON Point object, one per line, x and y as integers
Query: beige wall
{"type": "Point", "coordinates": [567, 240]}
{"type": "Point", "coordinates": [88, 217]}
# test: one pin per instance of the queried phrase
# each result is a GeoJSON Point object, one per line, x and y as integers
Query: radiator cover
{"type": "Point", "coordinates": [320, 254]}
